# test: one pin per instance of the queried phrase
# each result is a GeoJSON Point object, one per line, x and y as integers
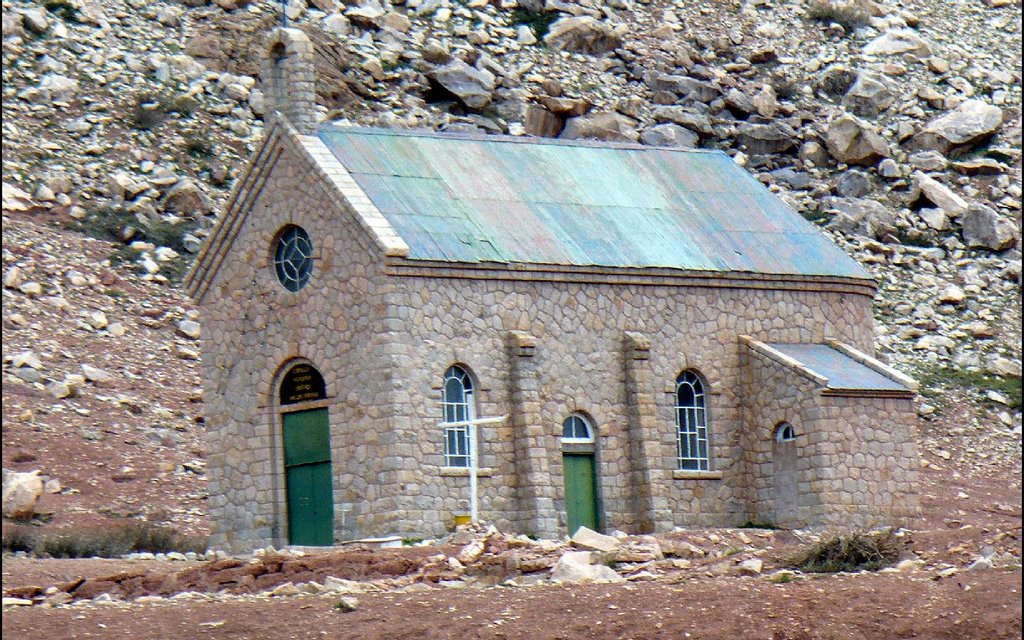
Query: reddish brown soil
{"type": "Point", "coordinates": [851, 607]}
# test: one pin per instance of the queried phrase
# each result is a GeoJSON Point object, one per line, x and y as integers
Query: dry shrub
{"type": "Point", "coordinates": [854, 551]}
{"type": "Point", "coordinates": [851, 14]}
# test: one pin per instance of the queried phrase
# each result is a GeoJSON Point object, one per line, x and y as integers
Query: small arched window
{"type": "Point", "coordinates": [784, 432]}
{"type": "Point", "coordinates": [691, 423]}
{"type": "Point", "coordinates": [457, 410]}
{"type": "Point", "coordinates": [577, 430]}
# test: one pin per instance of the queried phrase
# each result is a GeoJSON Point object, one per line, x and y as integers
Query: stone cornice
{"type": "Point", "coordinates": [650, 276]}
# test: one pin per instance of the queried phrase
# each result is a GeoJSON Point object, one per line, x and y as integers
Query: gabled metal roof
{"type": "Point", "coordinates": [513, 200]}
{"type": "Point", "coordinates": [843, 372]}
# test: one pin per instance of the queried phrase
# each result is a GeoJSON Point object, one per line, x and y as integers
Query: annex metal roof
{"type": "Point", "coordinates": [843, 372]}
{"type": "Point", "coordinates": [501, 199]}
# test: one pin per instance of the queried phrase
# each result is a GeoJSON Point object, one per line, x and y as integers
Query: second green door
{"type": "Point", "coordinates": [307, 461]}
{"type": "Point", "coordinates": [580, 491]}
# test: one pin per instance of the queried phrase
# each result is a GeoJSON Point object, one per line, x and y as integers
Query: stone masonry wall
{"type": "Point", "coordinates": [253, 328]}
{"type": "Point", "coordinates": [579, 362]}
{"type": "Point", "coordinates": [855, 459]}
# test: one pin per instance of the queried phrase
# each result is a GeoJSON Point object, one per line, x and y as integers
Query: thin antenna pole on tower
{"type": "Point", "coordinates": [284, 13]}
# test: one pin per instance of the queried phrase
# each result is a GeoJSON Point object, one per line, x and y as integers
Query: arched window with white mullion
{"type": "Point", "coordinates": [691, 424]}
{"type": "Point", "coordinates": [457, 407]}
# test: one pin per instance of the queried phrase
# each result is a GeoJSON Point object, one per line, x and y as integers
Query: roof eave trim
{"type": "Point", "coordinates": [334, 174]}
{"type": "Point", "coordinates": [786, 361]}
{"type": "Point", "coordinates": [875, 365]}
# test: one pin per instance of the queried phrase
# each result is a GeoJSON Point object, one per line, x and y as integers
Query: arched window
{"type": "Point", "coordinates": [691, 423]}
{"type": "Point", "coordinates": [457, 409]}
{"type": "Point", "coordinates": [577, 430]}
{"type": "Point", "coordinates": [784, 432]}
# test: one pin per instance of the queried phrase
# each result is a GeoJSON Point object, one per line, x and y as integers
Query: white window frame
{"type": "Point", "coordinates": [458, 412]}
{"type": "Point", "coordinates": [692, 425]}
{"type": "Point", "coordinates": [586, 425]}
{"type": "Point", "coordinates": [780, 432]}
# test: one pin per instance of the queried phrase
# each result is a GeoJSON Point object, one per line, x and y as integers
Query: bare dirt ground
{"type": "Point", "coordinates": [929, 601]}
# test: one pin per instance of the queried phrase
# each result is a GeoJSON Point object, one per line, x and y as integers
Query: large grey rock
{"type": "Point", "coordinates": [541, 123]}
{"type": "Point", "coordinates": [590, 539]}
{"type": "Point", "coordinates": [35, 19]}
{"type": "Point", "coordinates": [762, 139]}
{"type": "Point", "coordinates": [854, 141]}
{"type": "Point", "coordinates": [869, 96]}
{"type": "Point", "coordinates": [584, 34]}
{"type": "Point", "coordinates": [186, 197]}
{"type": "Point", "coordinates": [57, 88]}
{"type": "Point", "coordinates": [853, 184]}
{"type": "Point", "coordinates": [474, 87]}
{"type": "Point", "coordinates": [21, 491]}
{"type": "Point", "coordinates": [961, 129]}
{"type": "Point", "coordinates": [670, 135]}
{"type": "Point", "coordinates": [928, 161]}
{"type": "Point", "coordinates": [897, 41]}
{"type": "Point", "coordinates": [985, 228]}
{"type": "Point", "coordinates": [687, 87]}
{"type": "Point", "coordinates": [859, 217]}
{"type": "Point", "coordinates": [604, 125]}
{"type": "Point", "coordinates": [933, 191]}
{"type": "Point", "coordinates": [574, 566]}
{"type": "Point", "coordinates": [685, 117]}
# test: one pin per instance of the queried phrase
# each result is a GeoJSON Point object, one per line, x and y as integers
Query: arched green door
{"type": "Point", "coordinates": [580, 491]}
{"type": "Point", "coordinates": [307, 463]}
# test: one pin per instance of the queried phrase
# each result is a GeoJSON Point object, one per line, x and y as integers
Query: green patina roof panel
{"type": "Point", "coordinates": [512, 200]}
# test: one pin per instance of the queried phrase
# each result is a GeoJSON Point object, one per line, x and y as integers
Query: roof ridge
{"type": "Point", "coordinates": [489, 137]}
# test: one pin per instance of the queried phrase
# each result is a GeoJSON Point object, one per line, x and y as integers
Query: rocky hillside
{"type": "Point", "coordinates": [895, 126]}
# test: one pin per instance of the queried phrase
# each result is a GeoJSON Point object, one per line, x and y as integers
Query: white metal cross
{"type": "Point", "coordinates": [473, 466]}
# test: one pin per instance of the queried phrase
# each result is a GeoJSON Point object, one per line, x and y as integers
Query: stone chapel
{"type": "Point", "coordinates": [402, 328]}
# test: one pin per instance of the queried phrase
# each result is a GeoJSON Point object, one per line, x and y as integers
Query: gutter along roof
{"type": "Point", "coordinates": [496, 199]}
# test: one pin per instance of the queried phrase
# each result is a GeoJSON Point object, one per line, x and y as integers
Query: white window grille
{"type": "Point", "coordinates": [691, 423]}
{"type": "Point", "coordinates": [457, 406]}
{"type": "Point", "coordinates": [577, 430]}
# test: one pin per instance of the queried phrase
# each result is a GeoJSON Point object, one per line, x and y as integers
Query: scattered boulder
{"type": "Point", "coordinates": [931, 190]}
{"type": "Point", "coordinates": [670, 135]}
{"type": "Point", "coordinates": [541, 123]}
{"type": "Point", "coordinates": [590, 539]}
{"type": "Point", "coordinates": [604, 125]}
{"type": "Point", "coordinates": [866, 218]}
{"type": "Point", "coordinates": [869, 96]}
{"type": "Point", "coordinates": [854, 141]}
{"type": "Point", "coordinates": [584, 34]}
{"type": "Point", "coordinates": [21, 491]}
{"type": "Point", "coordinates": [186, 197]}
{"type": "Point", "coordinates": [750, 567]}
{"type": "Point", "coordinates": [853, 184]}
{"type": "Point", "coordinates": [984, 228]}
{"type": "Point", "coordinates": [764, 139]}
{"type": "Point", "coordinates": [962, 129]}
{"type": "Point", "coordinates": [474, 87]}
{"type": "Point", "coordinates": [898, 41]}
{"type": "Point", "coordinates": [575, 566]}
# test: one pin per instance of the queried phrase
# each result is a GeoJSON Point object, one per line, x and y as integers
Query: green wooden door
{"type": "Point", "coordinates": [580, 491]}
{"type": "Point", "coordinates": [307, 463]}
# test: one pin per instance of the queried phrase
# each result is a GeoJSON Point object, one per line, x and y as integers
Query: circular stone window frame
{"type": "Point", "coordinates": [303, 272]}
